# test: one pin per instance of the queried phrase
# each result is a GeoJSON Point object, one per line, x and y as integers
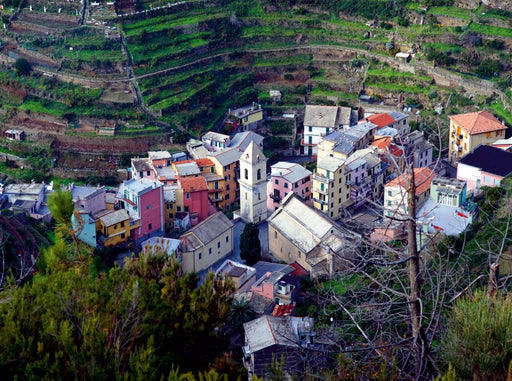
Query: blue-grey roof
{"type": "Point", "coordinates": [489, 159]}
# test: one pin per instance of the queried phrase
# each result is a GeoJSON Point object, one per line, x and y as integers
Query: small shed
{"type": "Point", "coordinates": [403, 56]}
{"type": "Point", "coordinates": [275, 95]}
{"type": "Point", "coordinates": [15, 134]}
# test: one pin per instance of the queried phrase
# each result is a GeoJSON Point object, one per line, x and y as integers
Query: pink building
{"type": "Point", "coordinates": [143, 200]}
{"type": "Point", "coordinates": [485, 165]}
{"type": "Point", "coordinates": [285, 178]}
{"type": "Point", "coordinates": [195, 197]}
{"type": "Point", "coordinates": [88, 199]}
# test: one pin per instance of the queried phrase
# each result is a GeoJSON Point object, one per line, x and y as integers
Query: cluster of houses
{"type": "Point", "coordinates": [360, 162]}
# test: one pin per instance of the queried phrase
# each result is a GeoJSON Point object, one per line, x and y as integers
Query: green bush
{"type": "Point", "coordinates": [478, 343]}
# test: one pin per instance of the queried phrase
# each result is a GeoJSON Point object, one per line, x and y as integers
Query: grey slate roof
{"type": "Point", "coordinates": [187, 169]}
{"type": "Point", "coordinates": [291, 172]}
{"type": "Point", "coordinates": [206, 231]}
{"type": "Point", "coordinates": [330, 163]}
{"type": "Point", "coordinates": [155, 155]}
{"type": "Point", "coordinates": [489, 159]}
{"type": "Point", "coordinates": [114, 217]}
{"type": "Point", "coordinates": [142, 164]}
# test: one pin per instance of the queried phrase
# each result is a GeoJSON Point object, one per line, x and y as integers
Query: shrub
{"type": "Point", "coordinates": [478, 342]}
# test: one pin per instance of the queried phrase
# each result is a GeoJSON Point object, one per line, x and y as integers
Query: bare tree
{"type": "Point", "coordinates": [397, 291]}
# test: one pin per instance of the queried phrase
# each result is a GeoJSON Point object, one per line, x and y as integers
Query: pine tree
{"type": "Point", "coordinates": [250, 246]}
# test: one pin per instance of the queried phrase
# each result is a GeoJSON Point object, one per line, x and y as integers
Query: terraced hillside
{"type": "Point", "coordinates": [179, 66]}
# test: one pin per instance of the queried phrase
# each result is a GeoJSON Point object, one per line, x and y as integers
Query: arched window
{"type": "Point", "coordinates": [246, 174]}
{"type": "Point", "coordinates": [259, 174]}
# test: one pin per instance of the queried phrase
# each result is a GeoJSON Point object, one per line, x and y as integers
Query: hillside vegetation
{"type": "Point", "coordinates": [185, 63]}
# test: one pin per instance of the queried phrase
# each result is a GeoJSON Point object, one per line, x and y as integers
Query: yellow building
{"type": "Point", "coordinates": [114, 228]}
{"type": "Point", "coordinates": [206, 243]}
{"type": "Point", "coordinates": [330, 189]}
{"type": "Point", "coordinates": [467, 131]}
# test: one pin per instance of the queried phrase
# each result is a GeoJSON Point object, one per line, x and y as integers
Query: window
{"type": "Point", "coordinates": [296, 185]}
{"type": "Point", "coordinates": [188, 195]}
{"type": "Point", "coordinates": [171, 215]}
{"type": "Point", "coordinates": [246, 195]}
{"type": "Point", "coordinates": [258, 174]}
{"type": "Point", "coordinates": [178, 209]}
{"type": "Point", "coordinates": [246, 174]}
{"type": "Point", "coordinates": [227, 186]}
{"type": "Point", "coordinates": [307, 189]}
{"type": "Point", "coordinates": [390, 193]}
{"type": "Point", "coordinates": [275, 234]}
{"type": "Point", "coordinates": [123, 235]}
{"type": "Point", "coordinates": [227, 238]}
{"type": "Point", "coordinates": [141, 174]}
{"type": "Point", "coordinates": [321, 186]}
{"type": "Point", "coordinates": [148, 173]}
{"type": "Point", "coordinates": [277, 182]}
{"type": "Point", "coordinates": [186, 208]}
{"type": "Point", "coordinates": [310, 129]}
{"type": "Point", "coordinates": [286, 185]}
{"type": "Point", "coordinates": [488, 135]}
{"type": "Point", "coordinates": [150, 226]}
{"type": "Point", "coordinates": [200, 255]}
{"type": "Point", "coordinates": [122, 224]}
{"type": "Point", "coordinates": [218, 245]}
{"type": "Point", "coordinates": [497, 182]}
{"type": "Point", "coordinates": [389, 201]}
{"type": "Point", "coordinates": [227, 196]}
{"type": "Point", "coordinates": [210, 250]}
{"type": "Point", "coordinates": [332, 204]}
{"type": "Point", "coordinates": [216, 185]}
{"type": "Point", "coordinates": [148, 207]}
{"type": "Point", "coordinates": [115, 226]}
{"type": "Point", "coordinates": [487, 180]}
{"type": "Point", "coordinates": [212, 170]}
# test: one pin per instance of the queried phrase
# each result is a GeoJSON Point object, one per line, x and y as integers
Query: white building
{"type": "Point", "coordinates": [319, 121]}
{"type": "Point", "coordinates": [253, 184]}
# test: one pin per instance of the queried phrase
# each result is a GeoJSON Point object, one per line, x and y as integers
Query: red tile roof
{"type": "Point", "coordinates": [204, 162]}
{"type": "Point", "coordinates": [193, 184]}
{"type": "Point", "coordinates": [422, 177]}
{"type": "Point", "coordinates": [382, 143]}
{"type": "Point", "coordinates": [395, 151]}
{"type": "Point", "coordinates": [381, 120]}
{"type": "Point", "coordinates": [283, 310]}
{"type": "Point", "coordinates": [200, 162]}
{"type": "Point", "coordinates": [477, 122]}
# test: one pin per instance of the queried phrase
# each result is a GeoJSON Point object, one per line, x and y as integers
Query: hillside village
{"type": "Point", "coordinates": [189, 205]}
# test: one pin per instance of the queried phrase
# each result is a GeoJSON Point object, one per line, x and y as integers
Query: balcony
{"type": "Point", "coordinates": [214, 198]}
{"type": "Point", "coordinates": [322, 179]}
{"type": "Point", "coordinates": [321, 202]}
{"type": "Point", "coordinates": [219, 189]}
{"type": "Point", "coordinates": [275, 198]}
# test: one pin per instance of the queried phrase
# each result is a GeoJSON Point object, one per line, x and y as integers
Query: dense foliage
{"type": "Point", "coordinates": [142, 321]}
{"type": "Point", "coordinates": [250, 246]}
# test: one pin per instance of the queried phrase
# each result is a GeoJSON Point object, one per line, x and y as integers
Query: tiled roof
{"type": "Point", "coordinates": [206, 231]}
{"type": "Point", "coordinates": [477, 122]}
{"type": "Point", "coordinates": [142, 164]}
{"type": "Point", "coordinates": [381, 120]}
{"type": "Point", "coordinates": [382, 143]}
{"type": "Point", "coordinates": [283, 310]}
{"type": "Point", "coordinates": [193, 184]}
{"type": "Point", "coordinates": [187, 169]}
{"type": "Point", "coordinates": [291, 172]}
{"type": "Point", "coordinates": [321, 116]}
{"type": "Point", "coordinates": [156, 155]}
{"type": "Point", "coordinates": [489, 159]}
{"type": "Point", "coordinates": [422, 177]}
{"type": "Point", "coordinates": [115, 217]}
{"type": "Point", "coordinates": [395, 151]}
{"type": "Point", "coordinates": [200, 162]}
